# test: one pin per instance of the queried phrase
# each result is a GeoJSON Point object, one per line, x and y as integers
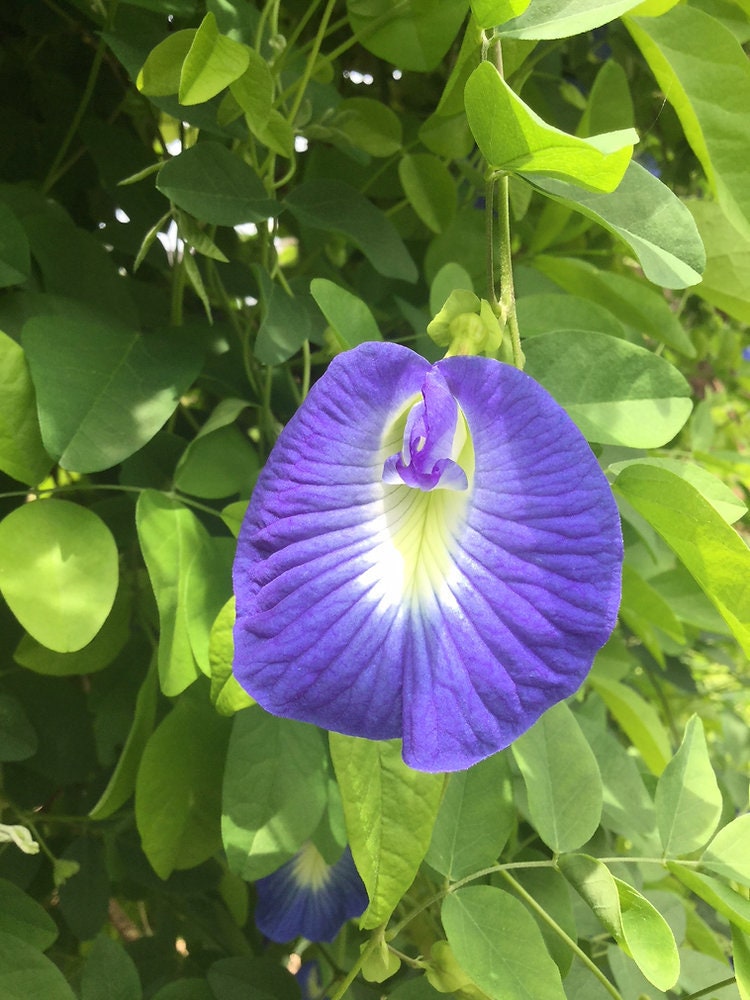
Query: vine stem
{"type": "Point", "coordinates": [543, 915]}
{"type": "Point", "coordinates": [507, 291]}
{"type": "Point", "coordinates": [369, 948]}
{"type": "Point", "coordinates": [311, 60]}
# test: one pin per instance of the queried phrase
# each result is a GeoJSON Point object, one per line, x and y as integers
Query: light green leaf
{"type": "Point", "coordinates": [741, 962]}
{"type": "Point", "coordinates": [643, 609]}
{"type": "Point", "coordinates": [415, 34]}
{"type": "Point", "coordinates": [58, 571]}
{"type": "Point", "coordinates": [726, 279]}
{"type": "Point", "coordinates": [648, 938]}
{"type": "Point", "coordinates": [24, 918]}
{"type": "Point", "coordinates": [390, 811]}
{"type": "Point", "coordinates": [15, 259]}
{"type": "Point", "coordinates": [160, 74]}
{"type": "Point", "coordinates": [430, 188]}
{"type": "Point", "coordinates": [724, 900]}
{"type": "Point", "coordinates": [562, 779]}
{"type": "Point", "coordinates": [22, 453]}
{"type": "Point", "coordinates": [207, 588]}
{"type": "Point", "coordinates": [274, 791]}
{"type": "Point", "coordinates": [171, 539]}
{"type": "Point", "coordinates": [490, 13]}
{"type": "Point", "coordinates": [227, 696]}
{"type": "Point", "coordinates": [336, 207]}
{"type": "Point", "coordinates": [728, 854]}
{"type": "Point", "coordinates": [514, 138]}
{"type": "Point", "coordinates": [215, 186]}
{"type": "Point", "coordinates": [609, 104]}
{"type": "Point", "coordinates": [217, 464]}
{"type": "Point", "coordinates": [596, 885]}
{"type": "Point", "coordinates": [475, 819]}
{"type": "Point", "coordinates": [109, 972]}
{"type": "Point", "coordinates": [648, 217]}
{"type": "Point", "coordinates": [638, 720]}
{"type": "Point", "coordinates": [103, 392]}
{"type": "Point", "coordinates": [25, 972]}
{"type": "Point", "coordinates": [178, 788]}
{"type": "Point", "coordinates": [633, 302]}
{"type": "Point", "coordinates": [710, 549]}
{"type": "Point", "coordinates": [350, 318]}
{"type": "Point", "coordinates": [690, 79]}
{"type": "Point", "coordinates": [369, 125]}
{"type": "Point", "coordinates": [627, 396]}
{"type": "Point", "coordinates": [723, 500]}
{"type": "Point", "coordinates": [563, 18]}
{"type": "Point", "coordinates": [497, 942]}
{"type": "Point", "coordinates": [211, 64]}
{"type": "Point", "coordinates": [121, 784]}
{"type": "Point", "coordinates": [253, 91]}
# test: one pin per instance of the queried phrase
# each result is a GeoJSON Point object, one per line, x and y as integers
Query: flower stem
{"type": "Point", "coordinates": [507, 291]}
{"type": "Point", "coordinates": [543, 915]}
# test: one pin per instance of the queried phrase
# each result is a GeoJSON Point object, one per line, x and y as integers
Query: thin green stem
{"type": "Point", "coordinates": [543, 915]}
{"type": "Point", "coordinates": [489, 216]}
{"type": "Point", "coordinates": [83, 487]}
{"type": "Point", "coordinates": [311, 60]}
{"type": "Point", "coordinates": [711, 989]}
{"type": "Point", "coordinates": [369, 948]}
{"type": "Point", "coordinates": [507, 291]}
{"type": "Point", "coordinates": [55, 173]}
{"type": "Point", "coordinates": [305, 369]}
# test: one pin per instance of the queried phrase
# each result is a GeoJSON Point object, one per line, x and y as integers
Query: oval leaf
{"type": "Point", "coordinates": [648, 938]}
{"type": "Point", "coordinates": [58, 572]}
{"type": "Point", "coordinates": [728, 854]}
{"type": "Point", "coordinates": [211, 64]}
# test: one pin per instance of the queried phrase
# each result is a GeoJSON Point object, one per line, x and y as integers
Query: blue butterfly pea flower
{"type": "Point", "coordinates": [431, 553]}
{"type": "Point", "coordinates": [309, 898]}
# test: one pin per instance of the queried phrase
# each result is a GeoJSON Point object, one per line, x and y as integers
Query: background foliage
{"type": "Point", "coordinates": [199, 204]}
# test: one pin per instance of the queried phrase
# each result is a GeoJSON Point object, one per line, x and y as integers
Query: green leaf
{"type": "Point", "coordinates": [726, 279]}
{"type": "Point", "coordinates": [710, 549]}
{"type": "Point", "coordinates": [350, 318]}
{"type": "Point", "coordinates": [253, 91]}
{"type": "Point", "coordinates": [390, 811]}
{"type": "Point", "coordinates": [643, 609]}
{"type": "Point", "coordinates": [227, 696]}
{"type": "Point", "coordinates": [218, 463]}
{"type": "Point", "coordinates": [723, 500]}
{"type": "Point", "coordinates": [741, 962]}
{"type": "Point", "coordinates": [18, 740]}
{"type": "Point", "coordinates": [490, 13]}
{"type": "Point", "coordinates": [25, 972]}
{"type": "Point", "coordinates": [648, 938]}
{"type": "Point", "coordinates": [648, 217]}
{"type": "Point", "coordinates": [172, 539]}
{"type": "Point", "coordinates": [207, 588]}
{"type": "Point", "coordinates": [160, 74]}
{"type": "Point", "coordinates": [596, 885]}
{"type": "Point", "coordinates": [58, 571]}
{"type": "Point", "coordinates": [724, 900]}
{"type": "Point", "coordinates": [24, 918]}
{"type": "Point", "coordinates": [121, 784]}
{"type": "Point", "coordinates": [633, 302]}
{"type": "Point", "coordinates": [15, 259]}
{"type": "Point", "coordinates": [414, 35]}
{"type": "Point", "coordinates": [103, 392]}
{"type": "Point", "coordinates": [497, 942]}
{"type": "Point", "coordinates": [562, 779]}
{"type": "Point", "coordinates": [690, 80]}
{"type": "Point", "coordinates": [95, 656]}
{"type": "Point", "coordinates": [286, 323]}
{"type": "Point", "coordinates": [336, 207]}
{"type": "Point", "coordinates": [550, 891]}
{"type": "Point", "coordinates": [514, 138]}
{"type": "Point", "coordinates": [548, 312]}
{"type": "Point", "coordinates": [186, 989]}
{"type": "Point", "coordinates": [728, 854]}
{"type": "Point", "coordinates": [22, 453]}
{"type": "Point", "coordinates": [216, 186]}
{"type": "Point", "coordinates": [617, 392]}
{"type": "Point", "coordinates": [211, 64]}
{"type": "Point", "coordinates": [638, 720]}
{"type": "Point", "coordinates": [109, 973]}
{"type": "Point", "coordinates": [563, 18]}
{"type": "Point", "coordinates": [274, 791]}
{"type": "Point", "coordinates": [82, 879]}
{"type": "Point", "coordinates": [178, 788]}
{"type": "Point", "coordinates": [688, 800]}
{"type": "Point", "coordinates": [430, 188]}
{"type": "Point", "coordinates": [475, 818]}
{"type": "Point", "coordinates": [369, 125]}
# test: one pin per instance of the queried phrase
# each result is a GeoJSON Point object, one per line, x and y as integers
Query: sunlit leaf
{"type": "Point", "coordinates": [211, 64]}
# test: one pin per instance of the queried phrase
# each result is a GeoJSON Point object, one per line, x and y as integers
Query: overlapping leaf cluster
{"type": "Point", "coordinates": [202, 202]}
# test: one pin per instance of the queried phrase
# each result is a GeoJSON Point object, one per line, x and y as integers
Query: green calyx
{"type": "Point", "coordinates": [466, 325]}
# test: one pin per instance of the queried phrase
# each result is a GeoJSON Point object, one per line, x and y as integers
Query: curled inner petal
{"type": "Point", "coordinates": [433, 436]}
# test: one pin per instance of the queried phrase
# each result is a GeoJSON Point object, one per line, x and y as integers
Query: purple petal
{"type": "Point", "coordinates": [307, 898]}
{"type": "Point", "coordinates": [452, 617]}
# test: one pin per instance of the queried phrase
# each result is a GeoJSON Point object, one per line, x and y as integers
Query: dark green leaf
{"type": "Point", "coordinates": [84, 897]}
{"type": "Point", "coordinates": [17, 737]}
{"type": "Point", "coordinates": [24, 918]}
{"type": "Point", "coordinates": [109, 973]}
{"type": "Point", "coordinates": [15, 260]}
{"type": "Point", "coordinates": [215, 186]}
{"type": "Point", "coordinates": [336, 207]}
{"type": "Point", "coordinates": [430, 188]}
{"type": "Point", "coordinates": [25, 972]}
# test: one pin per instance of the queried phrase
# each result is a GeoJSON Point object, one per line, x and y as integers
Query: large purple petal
{"type": "Point", "coordinates": [451, 617]}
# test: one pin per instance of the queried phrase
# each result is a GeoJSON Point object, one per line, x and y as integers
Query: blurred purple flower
{"type": "Point", "coordinates": [746, 353]}
{"type": "Point", "coordinates": [431, 553]}
{"type": "Point", "coordinates": [309, 898]}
